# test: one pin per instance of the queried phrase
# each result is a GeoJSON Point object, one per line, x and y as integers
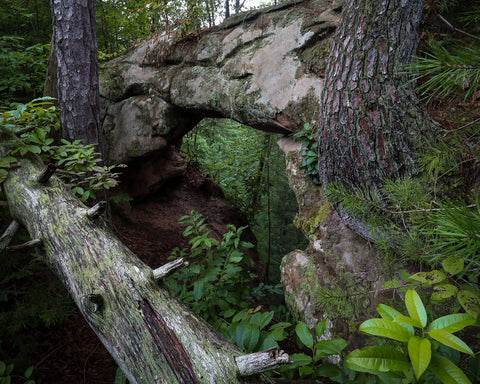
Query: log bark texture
{"type": "Point", "coordinates": [152, 335]}
{"type": "Point", "coordinates": [371, 124]}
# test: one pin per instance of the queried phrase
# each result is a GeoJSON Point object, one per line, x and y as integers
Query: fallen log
{"type": "Point", "coordinates": [151, 334]}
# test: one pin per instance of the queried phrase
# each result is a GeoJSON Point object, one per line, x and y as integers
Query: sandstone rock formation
{"type": "Point", "coordinates": [264, 69]}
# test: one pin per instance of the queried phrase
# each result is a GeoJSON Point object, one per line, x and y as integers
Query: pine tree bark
{"type": "Point", "coordinates": [371, 125]}
{"type": "Point", "coordinates": [74, 32]}
{"type": "Point", "coordinates": [153, 337]}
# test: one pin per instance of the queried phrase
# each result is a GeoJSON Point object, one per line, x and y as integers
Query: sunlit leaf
{"type": "Point", "coordinates": [453, 265]}
{"type": "Point", "coordinates": [470, 301]}
{"type": "Point", "coordinates": [450, 340]}
{"type": "Point", "coordinates": [420, 353]}
{"type": "Point", "coordinates": [415, 307]}
{"type": "Point", "coordinates": [380, 358]}
{"type": "Point", "coordinates": [443, 291]}
{"type": "Point", "coordinates": [452, 323]}
{"type": "Point", "coordinates": [385, 328]}
{"type": "Point", "coordinates": [431, 277]}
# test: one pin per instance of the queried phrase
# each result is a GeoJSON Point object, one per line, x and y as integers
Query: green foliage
{"type": "Point", "coordinates": [120, 377]}
{"type": "Point", "coordinates": [447, 71]}
{"type": "Point", "coordinates": [250, 169]}
{"type": "Point", "coordinates": [80, 164]}
{"type": "Point", "coordinates": [6, 373]}
{"type": "Point", "coordinates": [316, 364]}
{"type": "Point", "coordinates": [419, 351]}
{"type": "Point", "coordinates": [307, 137]}
{"type": "Point", "coordinates": [23, 69]}
{"type": "Point", "coordinates": [215, 285]}
{"type": "Point", "coordinates": [248, 330]}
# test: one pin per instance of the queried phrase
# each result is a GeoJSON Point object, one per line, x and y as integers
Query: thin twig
{"type": "Point", "coordinates": [456, 29]}
{"type": "Point", "coordinates": [463, 126]}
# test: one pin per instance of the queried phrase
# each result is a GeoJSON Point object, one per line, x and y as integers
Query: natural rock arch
{"type": "Point", "coordinates": [264, 69]}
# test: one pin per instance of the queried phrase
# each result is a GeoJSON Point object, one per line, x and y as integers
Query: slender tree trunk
{"type": "Point", "coordinates": [371, 124]}
{"type": "Point", "coordinates": [227, 8]}
{"type": "Point", "coordinates": [152, 336]}
{"type": "Point", "coordinates": [77, 59]}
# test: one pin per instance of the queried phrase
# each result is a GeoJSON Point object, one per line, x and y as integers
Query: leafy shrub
{"type": "Point", "coordinates": [409, 362]}
{"type": "Point", "coordinates": [307, 137]}
{"type": "Point", "coordinates": [216, 284]}
{"type": "Point", "coordinates": [81, 164]}
{"type": "Point", "coordinates": [23, 69]}
{"type": "Point", "coordinates": [6, 374]}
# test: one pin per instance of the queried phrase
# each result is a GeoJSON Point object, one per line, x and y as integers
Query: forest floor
{"type": "Point", "coordinates": [71, 352]}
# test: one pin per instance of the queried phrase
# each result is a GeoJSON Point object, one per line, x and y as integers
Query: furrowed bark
{"type": "Point", "coordinates": [371, 123]}
{"type": "Point", "coordinates": [152, 335]}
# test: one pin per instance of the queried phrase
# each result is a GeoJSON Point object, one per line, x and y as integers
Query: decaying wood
{"type": "Point", "coordinates": [29, 244]}
{"type": "Point", "coordinates": [152, 335]}
{"type": "Point", "coordinates": [96, 210]}
{"type": "Point", "coordinates": [167, 269]}
{"type": "Point", "coordinates": [46, 173]}
{"type": "Point", "coordinates": [7, 236]}
{"type": "Point", "coordinates": [259, 362]}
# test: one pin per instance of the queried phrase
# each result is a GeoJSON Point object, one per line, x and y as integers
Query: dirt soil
{"type": "Point", "coordinates": [70, 353]}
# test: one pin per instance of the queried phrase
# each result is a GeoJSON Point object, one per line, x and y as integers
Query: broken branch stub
{"type": "Point", "coordinates": [259, 362]}
{"type": "Point", "coordinates": [167, 269]}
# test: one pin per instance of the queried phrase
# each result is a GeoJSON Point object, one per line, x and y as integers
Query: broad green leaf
{"type": "Point", "coordinates": [262, 319]}
{"type": "Point", "coordinates": [431, 277]}
{"type": "Point", "coordinates": [443, 291]}
{"type": "Point", "coordinates": [329, 347]}
{"type": "Point", "coordinates": [452, 323]}
{"type": "Point", "coordinates": [450, 340]}
{"type": "Point", "coordinates": [415, 307]}
{"type": "Point", "coordinates": [470, 301]}
{"type": "Point", "coordinates": [29, 371]}
{"type": "Point", "coordinates": [446, 371]}
{"type": "Point", "coordinates": [387, 312]}
{"type": "Point", "coordinates": [304, 334]}
{"type": "Point", "coordinates": [453, 265]}
{"type": "Point", "coordinates": [381, 359]}
{"type": "Point", "coordinates": [328, 370]}
{"type": "Point", "coordinates": [305, 371]}
{"type": "Point", "coordinates": [385, 328]}
{"type": "Point", "coordinates": [320, 327]}
{"type": "Point", "coordinates": [420, 352]}
{"type": "Point", "coordinates": [251, 337]}
{"type": "Point", "coordinates": [3, 367]}
{"type": "Point", "coordinates": [300, 360]}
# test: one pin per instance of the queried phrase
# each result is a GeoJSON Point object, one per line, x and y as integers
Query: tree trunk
{"type": "Point", "coordinates": [77, 59]}
{"type": "Point", "coordinates": [153, 337]}
{"type": "Point", "coordinates": [372, 125]}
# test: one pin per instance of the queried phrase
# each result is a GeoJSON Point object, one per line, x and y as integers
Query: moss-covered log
{"type": "Point", "coordinates": [153, 337]}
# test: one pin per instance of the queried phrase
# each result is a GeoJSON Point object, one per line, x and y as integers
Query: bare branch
{"type": "Point", "coordinates": [29, 244]}
{"type": "Point", "coordinates": [456, 29]}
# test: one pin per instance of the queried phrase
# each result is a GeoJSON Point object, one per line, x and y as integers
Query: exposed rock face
{"type": "Point", "coordinates": [337, 261]}
{"type": "Point", "coordinates": [264, 69]}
